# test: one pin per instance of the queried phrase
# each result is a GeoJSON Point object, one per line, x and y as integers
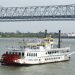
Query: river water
{"type": "Point", "coordinates": [60, 68]}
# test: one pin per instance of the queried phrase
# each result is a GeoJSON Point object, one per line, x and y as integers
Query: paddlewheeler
{"type": "Point", "coordinates": [40, 52]}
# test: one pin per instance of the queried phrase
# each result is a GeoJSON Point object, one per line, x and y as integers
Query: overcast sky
{"type": "Point", "coordinates": [36, 26]}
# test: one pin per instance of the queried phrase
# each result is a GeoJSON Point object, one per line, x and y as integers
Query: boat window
{"type": "Point", "coordinates": [55, 51]}
{"type": "Point", "coordinates": [51, 40]}
{"type": "Point", "coordinates": [30, 54]}
{"type": "Point", "coordinates": [49, 52]}
{"type": "Point", "coordinates": [58, 57]}
{"type": "Point", "coordinates": [39, 59]}
{"type": "Point", "coordinates": [31, 47]}
{"type": "Point", "coordinates": [46, 52]}
{"type": "Point", "coordinates": [6, 52]}
{"type": "Point", "coordinates": [52, 51]}
{"type": "Point", "coordinates": [67, 51]}
{"type": "Point", "coordinates": [51, 45]}
{"type": "Point", "coordinates": [27, 54]}
{"type": "Point", "coordinates": [45, 58]}
{"type": "Point", "coordinates": [37, 47]}
{"type": "Point", "coordinates": [24, 47]}
{"type": "Point", "coordinates": [36, 54]}
{"type": "Point", "coordinates": [9, 52]}
{"type": "Point", "coordinates": [22, 53]}
{"type": "Point", "coordinates": [34, 47]}
{"type": "Point", "coordinates": [13, 53]}
{"type": "Point", "coordinates": [19, 53]}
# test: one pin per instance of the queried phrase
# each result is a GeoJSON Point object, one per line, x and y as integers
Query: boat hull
{"type": "Point", "coordinates": [30, 64]}
{"type": "Point", "coordinates": [43, 62]}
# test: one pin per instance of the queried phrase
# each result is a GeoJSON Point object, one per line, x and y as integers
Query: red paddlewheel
{"type": "Point", "coordinates": [9, 58]}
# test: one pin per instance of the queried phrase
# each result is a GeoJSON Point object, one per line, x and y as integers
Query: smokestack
{"type": "Point", "coordinates": [45, 33]}
{"type": "Point", "coordinates": [59, 38]}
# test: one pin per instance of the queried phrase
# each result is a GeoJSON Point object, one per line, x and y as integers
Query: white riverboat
{"type": "Point", "coordinates": [38, 52]}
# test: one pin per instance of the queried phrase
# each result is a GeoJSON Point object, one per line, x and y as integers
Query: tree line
{"type": "Point", "coordinates": [28, 34]}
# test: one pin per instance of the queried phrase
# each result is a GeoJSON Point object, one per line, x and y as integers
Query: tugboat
{"type": "Point", "coordinates": [39, 52]}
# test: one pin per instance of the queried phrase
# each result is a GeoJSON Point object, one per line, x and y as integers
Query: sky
{"type": "Point", "coordinates": [36, 26]}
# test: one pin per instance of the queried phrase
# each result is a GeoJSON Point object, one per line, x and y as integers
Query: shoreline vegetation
{"type": "Point", "coordinates": [29, 34]}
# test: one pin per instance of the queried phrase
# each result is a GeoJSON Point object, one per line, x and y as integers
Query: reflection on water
{"type": "Point", "coordinates": [60, 68]}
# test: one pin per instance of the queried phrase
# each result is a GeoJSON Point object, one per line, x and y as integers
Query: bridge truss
{"type": "Point", "coordinates": [38, 13]}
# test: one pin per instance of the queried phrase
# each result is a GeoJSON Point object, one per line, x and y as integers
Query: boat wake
{"type": "Point", "coordinates": [71, 53]}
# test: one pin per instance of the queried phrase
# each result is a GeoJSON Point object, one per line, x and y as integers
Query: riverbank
{"type": "Point", "coordinates": [30, 35]}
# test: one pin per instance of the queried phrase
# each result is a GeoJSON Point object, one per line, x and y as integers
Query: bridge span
{"type": "Point", "coordinates": [38, 13]}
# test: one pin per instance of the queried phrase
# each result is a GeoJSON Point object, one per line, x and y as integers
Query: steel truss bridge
{"type": "Point", "coordinates": [38, 13]}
